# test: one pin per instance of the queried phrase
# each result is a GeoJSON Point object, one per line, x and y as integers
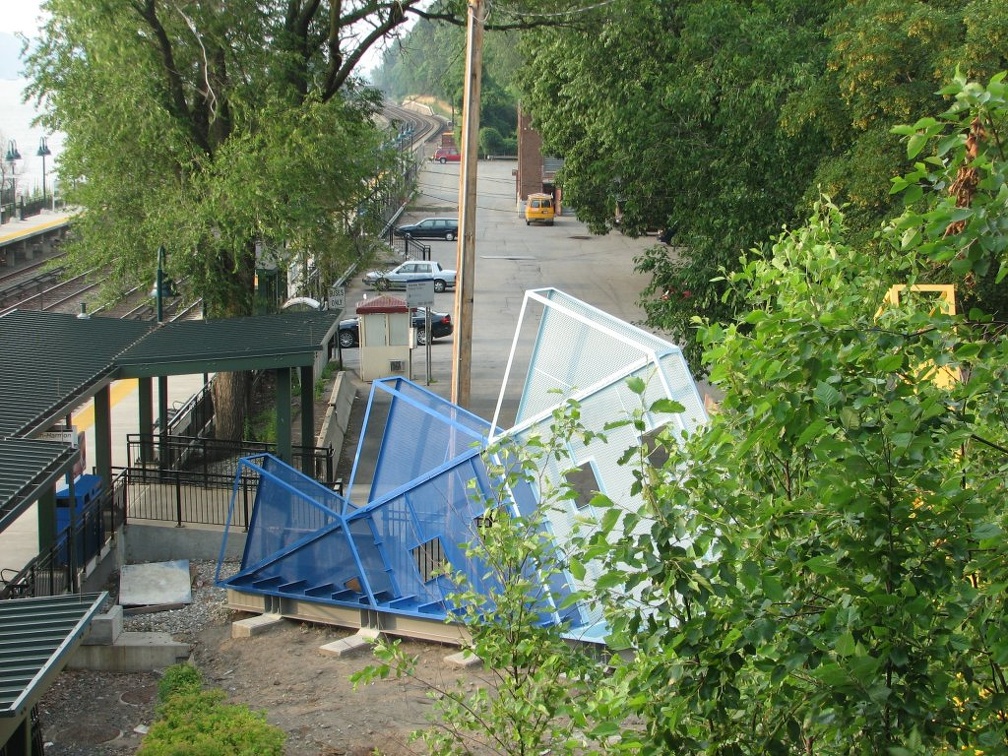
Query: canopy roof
{"type": "Point", "coordinates": [51, 363]}
{"type": "Point", "coordinates": [39, 635]}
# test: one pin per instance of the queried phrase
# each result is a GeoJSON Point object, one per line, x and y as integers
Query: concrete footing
{"type": "Point", "coordinates": [353, 644]}
{"type": "Point", "coordinates": [107, 648]}
{"type": "Point", "coordinates": [464, 659]}
{"type": "Point", "coordinates": [131, 652]}
{"type": "Point", "coordinates": [252, 626]}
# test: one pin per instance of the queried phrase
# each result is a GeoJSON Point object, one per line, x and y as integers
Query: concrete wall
{"type": "Point", "coordinates": [337, 418]}
{"type": "Point", "coordinates": [165, 543]}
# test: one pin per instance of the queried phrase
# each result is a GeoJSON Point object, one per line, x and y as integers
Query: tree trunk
{"type": "Point", "coordinates": [231, 399]}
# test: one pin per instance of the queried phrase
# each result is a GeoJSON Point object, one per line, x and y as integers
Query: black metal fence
{"type": "Point", "coordinates": [12, 207]}
{"type": "Point", "coordinates": [192, 497]}
{"type": "Point", "coordinates": [198, 458]}
{"type": "Point", "coordinates": [196, 487]}
{"type": "Point", "coordinates": [408, 247]}
{"type": "Point", "coordinates": [58, 569]}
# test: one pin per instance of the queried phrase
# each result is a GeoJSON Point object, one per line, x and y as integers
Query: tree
{"type": "Point", "coordinates": [212, 130]}
{"type": "Point", "coordinates": [430, 60]}
{"type": "Point", "coordinates": [728, 120]}
{"type": "Point", "coordinates": [825, 573]}
{"type": "Point", "coordinates": [680, 128]}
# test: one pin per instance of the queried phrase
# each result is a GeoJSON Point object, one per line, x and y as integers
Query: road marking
{"type": "Point", "coordinates": [120, 390]}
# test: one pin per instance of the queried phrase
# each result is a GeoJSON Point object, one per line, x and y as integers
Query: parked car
{"type": "Point", "coordinates": [430, 228]}
{"type": "Point", "coordinates": [411, 270]}
{"type": "Point", "coordinates": [441, 326]}
{"type": "Point", "coordinates": [447, 155]}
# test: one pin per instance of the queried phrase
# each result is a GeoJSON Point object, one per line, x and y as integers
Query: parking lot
{"type": "Point", "coordinates": [511, 258]}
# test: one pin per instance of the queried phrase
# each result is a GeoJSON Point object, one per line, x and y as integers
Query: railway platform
{"type": "Point", "coordinates": [19, 543]}
{"type": "Point", "coordinates": [24, 241]}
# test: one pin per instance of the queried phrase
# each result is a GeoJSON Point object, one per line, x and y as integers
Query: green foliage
{"type": "Point", "coordinates": [193, 720]}
{"type": "Point", "coordinates": [261, 427]}
{"type": "Point", "coordinates": [536, 688]}
{"type": "Point", "coordinates": [179, 679]}
{"type": "Point", "coordinates": [430, 61]}
{"type": "Point", "coordinates": [728, 120]}
{"type": "Point", "coordinates": [825, 572]}
{"type": "Point", "coordinates": [491, 142]}
{"type": "Point", "coordinates": [167, 143]}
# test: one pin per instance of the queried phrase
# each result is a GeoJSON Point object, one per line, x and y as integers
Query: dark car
{"type": "Point", "coordinates": [430, 228]}
{"type": "Point", "coordinates": [441, 326]}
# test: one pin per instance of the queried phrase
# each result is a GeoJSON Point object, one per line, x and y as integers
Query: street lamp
{"type": "Point", "coordinates": [43, 152]}
{"type": "Point", "coordinates": [9, 158]}
{"type": "Point", "coordinates": [162, 380]}
{"type": "Point", "coordinates": [159, 283]}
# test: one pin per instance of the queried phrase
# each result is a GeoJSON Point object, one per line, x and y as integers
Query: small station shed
{"type": "Point", "coordinates": [385, 339]}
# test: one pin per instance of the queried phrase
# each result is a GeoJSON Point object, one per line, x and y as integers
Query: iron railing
{"type": "Point", "coordinates": [58, 568]}
{"type": "Point", "coordinates": [206, 459]}
{"type": "Point", "coordinates": [191, 498]}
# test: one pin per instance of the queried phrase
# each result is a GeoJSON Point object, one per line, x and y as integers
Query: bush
{"type": "Point", "coordinates": [179, 679]}
{"type": "Point", "coordinates": [490, 141]}
{"type": "Point", "coordinates": [194, 720]}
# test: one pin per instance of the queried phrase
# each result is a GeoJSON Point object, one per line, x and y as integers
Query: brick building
{"type": "Point", "coordinates": [535, 173]}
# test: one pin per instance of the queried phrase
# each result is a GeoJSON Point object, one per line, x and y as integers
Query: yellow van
{"type": "Point", "coordinates": [539, 209]}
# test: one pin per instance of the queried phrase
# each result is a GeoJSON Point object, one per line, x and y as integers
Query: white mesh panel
{"type": "Point", "coordinates": [588, 355]}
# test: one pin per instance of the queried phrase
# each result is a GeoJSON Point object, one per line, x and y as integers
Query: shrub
{"type": "Point", "coordinates": [194, 720]}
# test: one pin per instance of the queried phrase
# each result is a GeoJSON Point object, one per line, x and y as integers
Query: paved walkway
{"type": "Point", "coordinates": [15, 229]}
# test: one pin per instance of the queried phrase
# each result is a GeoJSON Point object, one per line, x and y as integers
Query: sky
{"type": "Point", "coordinates": [20, 16]}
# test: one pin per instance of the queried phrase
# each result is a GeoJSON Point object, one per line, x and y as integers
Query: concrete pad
{"type": "Point", "coordinates": [354, 644]}
{"type": "Point", "coordinates": [464, 659]}
{"type": "Point", "coordinates": [155, 583]}
{"type": "Point", "coordinates": [252, 626]}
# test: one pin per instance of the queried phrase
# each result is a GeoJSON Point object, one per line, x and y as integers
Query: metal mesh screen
{"type": "Point", "coordinates": [288, 508]}
{"type": "Point", "coordinates": [588, 355]}
{"type": "Point", "coordinates": [421, 432]}
{"type": "Point", "coordinates": [429, 486]}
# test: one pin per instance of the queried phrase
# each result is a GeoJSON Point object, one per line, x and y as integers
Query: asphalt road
{"type": "Point", "coordinates": [512, 258]}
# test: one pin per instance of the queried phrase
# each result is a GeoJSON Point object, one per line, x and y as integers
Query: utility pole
{"type": "Point", "coordinates": [462, 345]}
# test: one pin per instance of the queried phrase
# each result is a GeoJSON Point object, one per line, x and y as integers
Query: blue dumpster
{"type": "Point", "coordinates": [89, 537]}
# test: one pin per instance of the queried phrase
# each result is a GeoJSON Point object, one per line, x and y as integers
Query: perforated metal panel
{"type": "Point", "coordinates": [429, 481]}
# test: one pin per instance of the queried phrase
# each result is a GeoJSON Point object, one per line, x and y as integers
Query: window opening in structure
{"type": "Point", "coordinates": [584, 483]}
{"type": "Point", "coordinates": [430, 559]}
{"type": "Point", "coordinates": [657, 452]}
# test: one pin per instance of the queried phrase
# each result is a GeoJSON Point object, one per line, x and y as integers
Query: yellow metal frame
{"type": "Point", "coordinates": [943, 377]}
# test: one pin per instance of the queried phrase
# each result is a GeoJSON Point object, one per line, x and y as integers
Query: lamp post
{"type": "Point", "coordinates": [43, 152]}
{"type": "Point", "coordinates": [9, 158]}
{"type": "Point", "coordinates": [159, 283]}
{"type": "Point", "coordinates": [162, 380]}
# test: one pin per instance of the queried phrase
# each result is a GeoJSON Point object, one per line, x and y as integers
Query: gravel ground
{"type": "Point", "coordinates": [207, 608]}
{"type": "Point", "coordinates": [88, 713]}
{"type": "Point", "coordinates": [280, 672]}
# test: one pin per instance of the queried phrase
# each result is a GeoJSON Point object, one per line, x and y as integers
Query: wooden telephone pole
{"type": "Point", "coordinates": [462, 345]}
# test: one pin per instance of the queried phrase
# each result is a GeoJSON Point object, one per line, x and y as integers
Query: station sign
{"type": "Point", "coordinates": [420, 293]}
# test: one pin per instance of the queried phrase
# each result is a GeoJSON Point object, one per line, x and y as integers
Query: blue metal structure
{"type": "Point", "coordinates": [430, 479]}
{"type": "Point", "coordinates": [307, 542]}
